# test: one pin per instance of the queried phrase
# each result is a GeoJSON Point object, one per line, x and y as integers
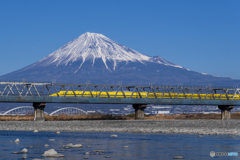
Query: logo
{"type": "Point", "coordinates": [212, 153]}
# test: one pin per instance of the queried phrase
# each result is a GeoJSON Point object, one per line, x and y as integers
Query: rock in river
{"type": "Point", "coordinates": [51, 153]}
{"type": "Point", "coordinates": [114, 135]}
{"type": "Point", "coordinates": [17, 140]}
{"type": "Point", "coordinates": [76, 146]}
{"type": "Point", "coordinates": [68, 145]}
{"type": "Point", "coordinates": [24, 150]}
{"type": "Point", "coordinates": [178, 157]}
{"type": "Point", "coordinates": [98, 150]}
{"type": "Point", "coordinates": [125, 147]}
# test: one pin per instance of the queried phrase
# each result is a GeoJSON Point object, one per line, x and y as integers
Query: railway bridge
{"type": "Point", "coordinates": [139, 96]}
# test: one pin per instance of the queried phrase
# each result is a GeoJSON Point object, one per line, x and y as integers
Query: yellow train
{"type": "Point", "coordinates": [129, 94]}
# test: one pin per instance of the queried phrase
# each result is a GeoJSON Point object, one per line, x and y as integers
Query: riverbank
{"type": "Point", "coordinates": [198, 116]}
{"type": "Point", "coordinates": [64, 117]}
{"type": "Point", "coordinates": [203, 127]}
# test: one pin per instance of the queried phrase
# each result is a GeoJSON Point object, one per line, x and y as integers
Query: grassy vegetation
{"type": "Point", "coordinates": [116, 117]}
{"type": "Point", "coordinates": [132, 115]}
{"type": "Point", "coordinates": [63, 117]}
{"type": "Point", "coordinates": [190, 116]}
{"type": "Point", "coordinates": [16, 118]}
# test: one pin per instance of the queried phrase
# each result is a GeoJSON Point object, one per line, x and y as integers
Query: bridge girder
{"type": "Point", "coordinates": [97, 100]}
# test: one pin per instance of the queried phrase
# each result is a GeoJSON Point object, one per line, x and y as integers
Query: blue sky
{"type": "Point", "coordinates": [202, 35]}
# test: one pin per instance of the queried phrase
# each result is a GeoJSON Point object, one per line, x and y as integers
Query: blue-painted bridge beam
{"type": "Point", "coordinates": [97, 100]}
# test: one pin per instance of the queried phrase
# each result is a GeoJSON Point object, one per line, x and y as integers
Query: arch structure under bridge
{"type": "Point", "coordinates": [22, 110]}
{"type": "Point", "coordinates": [68, 111]}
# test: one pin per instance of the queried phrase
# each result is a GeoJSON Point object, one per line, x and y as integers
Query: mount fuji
{"type": "Point", "coordinates": [94, 57]}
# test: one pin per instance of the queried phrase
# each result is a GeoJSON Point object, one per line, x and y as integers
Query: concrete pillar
{"type": "Point", "coordinates": [139, 111]}
{"type": "Point", "coordinates": [39, 111]}
{"type": "Point", "coordinates": [226, 111]}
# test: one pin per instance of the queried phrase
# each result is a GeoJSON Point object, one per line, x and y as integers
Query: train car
{"type": "Point", "coordinates": [129, 94]}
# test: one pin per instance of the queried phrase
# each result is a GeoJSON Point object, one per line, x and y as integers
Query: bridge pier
{"type": "Point", "coordinates": [39, 111]}
{"type": "Point", "coordinates": [139, 111]}
{"type": "Point", "coordinates": [226, 111]}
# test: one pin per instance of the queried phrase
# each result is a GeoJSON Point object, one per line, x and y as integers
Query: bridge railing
{"type": "Point", "coordinates": [116, 91]}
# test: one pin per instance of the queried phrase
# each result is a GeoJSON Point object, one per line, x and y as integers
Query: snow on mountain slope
{"type": "Point", "coordinates": [93, 46]}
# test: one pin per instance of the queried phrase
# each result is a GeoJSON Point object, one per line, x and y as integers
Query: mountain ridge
{"type": "Point", "coordinates": [95, 57]}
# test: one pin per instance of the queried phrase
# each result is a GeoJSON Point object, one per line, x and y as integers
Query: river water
{"type": "Point", "coordinates": [141, 146]}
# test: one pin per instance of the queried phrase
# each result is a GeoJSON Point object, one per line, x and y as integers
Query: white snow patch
{"type": "Point", "coordinates": [94, 45]}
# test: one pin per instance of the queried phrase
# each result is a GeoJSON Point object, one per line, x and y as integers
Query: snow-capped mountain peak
{"type": "Point", "coordinates": [93, 46]}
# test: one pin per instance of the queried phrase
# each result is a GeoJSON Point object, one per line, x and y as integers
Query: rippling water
{"type": "Point", "coordinates": [141, 146]}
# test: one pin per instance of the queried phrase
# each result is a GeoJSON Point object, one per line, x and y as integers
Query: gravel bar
{"type": "Point", "coordinates": [204, 127]}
